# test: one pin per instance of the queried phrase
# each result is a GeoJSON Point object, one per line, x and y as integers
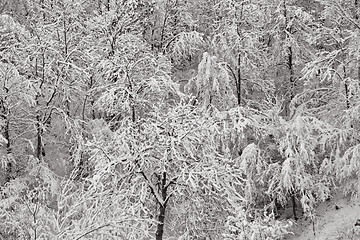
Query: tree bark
{"type": "Point", "coordinates": [293, 198]}
{"type": "Point", "coordinates": [239, 33]}
{"type": "Point", "coordinates": [357, 19]}
{"type": "Point", "coordinates": [39, 148]}
{"type": "Point", "coordinates": [160, 226]}
{"type": "Point", "coordinates": [132, 101]}
{"type": "Point", "coordinates": [346, 89]}
{"type": "Point", "coordinates": [39, 131]}
{"type": "Point", "coordinates": [238, 83]}
{"type": "Point", "coordinates": [289, 62]}
{"type": "Point", "coordinates": [291, 72]}
{"type": "Point", "coordinates": [162, 209]}
{"type": "Point", "coordinates": [6, 132]}
{"type": "Point", "coordinates": [9, 169]}
{"type": "Point", "coordinates": [290, 66]}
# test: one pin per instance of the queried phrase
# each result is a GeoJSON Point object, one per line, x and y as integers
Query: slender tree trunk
{"type": "Point", "coordinates": [293, 199]}
{"type": "Point", "coordinates": [65, 37]}
{"type": "Point", "coordinates": [6, 132]}
{"type": "Point", "coordinates": [289, 61]}
{"type": "Point", "coordinates": [162, 34]}
{"type": "Point", "coordinates": [290, 66]}
{"type": "Point", "coordinates": [358, 69]}
{"type": "Point", "coordinates": [67, 105]}
{"type": "Point", "coordinates": [238, 83]}
{"type": "Point", "coordinates": [163, 31]}
{"type": "Point", "coordinates": [93, 115]}
{"type": "Point", "coordinates": [39, 131]}
{"type": "Point", "coordinates": [152, 38]}
{"type": "Point", "coordinates": [83, 108]}
{"type": "Point", "coordinates": [347, 95]}
{"type": "Point", "coordinates": [5, 112]}
{"type": "Point", "coordinates": [8, 146]}
{"type": "Point", "coordinates": [291, 72]}
{"type": "Point", "coordinates": [346, 89]}
{"type": "Point", "coordinates": [357, 20]}
{"type": "Point", "coordinates": [132, 101]}
{"type": "Point", "coordinates": [92, 101]}
{"type": "Point", "coordinates": [239, 33]}
{"type": "Point", "coordinates": [291, 80]}
{"type": "Point", "coordinates": [133, 116]}
{"type": "Point", "coordinates": [162, 209]}
{"type": "Point", "coordinates": [39, 148]}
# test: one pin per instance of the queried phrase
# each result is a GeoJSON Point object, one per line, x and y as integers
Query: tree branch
{"type": "Point", "coordinates": [346, 15]}
{"type": "Point", "coordinates": [153, 189]}
{"type": "Point", "coordinates": [93, 230]}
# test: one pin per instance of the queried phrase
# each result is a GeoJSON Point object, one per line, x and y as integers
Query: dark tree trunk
{"type": "Point", "coordinates": [162, 33]}
{"type": "Point", "coordinates": [132, 101]}
{"type": "Point", "coordinates": [357, 19]}
{"type": "Point", "coordinates": [40, 152]}
{"type": "Point", "coordinates": [347, 95]}
{"type": "Point", "coordinates": [293, 198]}
{"type": "Point", "coordinates": [346, 89]}
{"type": "Point", "coordinates": [68, 108]}
{"type": "Point", "coordinates": [238, 83]}
{"type": "Point", "coordinates": [239, 33]}
{"type": "Point", "coordinates": [133, 116]}
{"type": "Point", "coordinates": [39, 131]}
{"type": "Point", "coordinates": [289, 62]}
{"type": "Point", "coordinates": [162, 209]}
{"type": "Point", "coordinates": [5, 112]}
{"type": "Point", "coordinates": [160, 226]}
{"type": "Point", "coordinates": [290, 66]}
{"type": "Point", "coordinates": [9, 167]}
{"type": "Point", "coordinates": [291, 72]}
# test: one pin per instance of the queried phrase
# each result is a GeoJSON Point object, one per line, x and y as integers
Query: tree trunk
{"type": "Point", "coordinates": [294, 206]}
{"type": "Point", "coordinates": [357, 20]}
{"type": "Point", "coordinates": [39, 131]}
{"type": "Point", "coordinates": [9, 167]}
{"type": "Point", "coordinates": [291, 72]}
{"type": "Point", "coordinates": [6, 132]}
{"type": "Point", "coordinates": [290, 66]}
{"type": "Point", "coordinates": [160, 226]}
{"type": "Point", "coordinates": [163, 31]}
{"type": "Point", "coordinates": [289, 63]}
{"type": "Point", "coordinates": [239, 33]}
{"type": "Point", "coordinates": [346, 89]}
{"type": "Point", "coordinates": [162, 209]}
{"type": "Point", "coordinates": [347, 95]}
{"type": "Point", "coordinates": [238, 84]}
{"type": "Point", "coordinates": [39, 148]}
{"type": "Point", "coordinates": [132, 101]}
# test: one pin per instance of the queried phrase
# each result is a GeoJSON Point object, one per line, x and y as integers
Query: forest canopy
{"type": "Point", "coordinates": [175, 119]}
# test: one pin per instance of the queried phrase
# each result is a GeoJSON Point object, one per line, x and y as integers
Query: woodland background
{"type": "Point", "coordinates": [175, 119]}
